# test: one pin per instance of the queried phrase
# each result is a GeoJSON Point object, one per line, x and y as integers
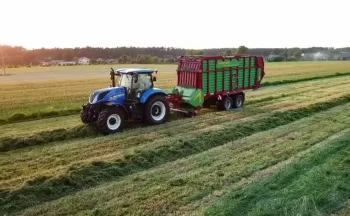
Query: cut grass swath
{"type": "Point", "coordinates": [315, 185]}
{"type": "Point", "coordinates": [59, 134]}
{"type": "Point", "coordinates": [19, 117]}
{"type": "Point", "coordinates": [181, 186]}
{"type": "Point", "coordinates": [83, 131]}
{"type": "Point", "coordinates": [290, 81]}
{"type": "Point", "coordinates": [44, 189]}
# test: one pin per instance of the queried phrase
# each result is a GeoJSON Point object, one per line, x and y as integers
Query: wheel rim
{"type": "Point", "coordinates": [239, 101]}
{"type": "Point", "coordinates": [113, 122]}
{"type": "Point", "coordinates": [158, 111]}
{"type": "Point", "coordinates": [227, 104]}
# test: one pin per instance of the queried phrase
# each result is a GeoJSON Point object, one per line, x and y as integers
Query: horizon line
{"type": "Point", "coordinates": [170, 47]}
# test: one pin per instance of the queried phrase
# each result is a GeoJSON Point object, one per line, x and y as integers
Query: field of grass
{"type": "Point", "coordinates": [59, 97]}
{"type": "Point", "coordinates": [285, 153]}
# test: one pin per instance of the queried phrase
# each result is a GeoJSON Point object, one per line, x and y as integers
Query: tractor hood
{"type": "Point", "coordinates": [107, 94]}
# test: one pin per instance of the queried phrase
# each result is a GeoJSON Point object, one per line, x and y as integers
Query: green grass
{"type": "Point", "coordinates": [305, 79]}
{"type": "Point", "coordinates": [64, 128]}
{"type": "Point", "coordinates": [54, 165]}
{"type": "Point", "coordinates": [29, 128]}
{"type": "Point", "coordinates": [96, 172]}
{"type": "Point", "coordinates": [315, 185]}
{"type": "Point", "coordinates": [299, 86]}
{"type": "Point", "coordinates": [173, 187]}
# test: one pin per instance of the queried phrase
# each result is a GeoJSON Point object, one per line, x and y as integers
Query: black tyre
{"type": "Point", "coordinates": [85, 117]}
{"type": "Point", "coordinates": [238, 101]}
{"type": "Point", "coordinates": [157, 110]}
{"type": "Point", "coordinates": [191, 114]}
{"type": "Point", "coordinates": [225, 104]}
{"type": "Point", "coordinates": [110, 120]}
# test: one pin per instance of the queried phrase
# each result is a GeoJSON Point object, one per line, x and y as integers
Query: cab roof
{"type": "Point", "coordinates": [135, 70]}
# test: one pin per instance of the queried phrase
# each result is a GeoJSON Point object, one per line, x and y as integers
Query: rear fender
{"type": "Point", "coordinates": [150, 93]}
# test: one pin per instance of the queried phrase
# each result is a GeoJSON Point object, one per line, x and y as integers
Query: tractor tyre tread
{"type": "Point", "coordinates": [147, 111]}
{"type": "Point", "coordinates": [84, 118]}
{"type": "Point", "coordinates": [103, 117]}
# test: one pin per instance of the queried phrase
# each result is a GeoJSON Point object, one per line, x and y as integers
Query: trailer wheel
{"type": "Point", "coordinates": [226, 103]}
{"type": "Point", "coordinates": [157, 110]}
{"type": "Point", "coordinates": [191, 114]}
{"type": "Point", "coordinates": [110, 120]}
{"type": "Point", "coordinates": [238, 101]}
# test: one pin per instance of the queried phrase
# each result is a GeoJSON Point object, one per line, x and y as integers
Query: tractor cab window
{"type": "Point", "coordinates": [144, 82]}
{"type": "Point", "coordinates": [125, 80]}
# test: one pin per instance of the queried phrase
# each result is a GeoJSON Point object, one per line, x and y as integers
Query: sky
{"type": "Point", "coordinates": [175, 23]}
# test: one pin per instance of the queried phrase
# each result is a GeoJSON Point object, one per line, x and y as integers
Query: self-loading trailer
{"type": "Point", "coordinates": [203, 81]}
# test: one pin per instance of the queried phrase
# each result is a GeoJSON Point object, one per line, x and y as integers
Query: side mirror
{"type": "Point", "coordinates": [154, 79]}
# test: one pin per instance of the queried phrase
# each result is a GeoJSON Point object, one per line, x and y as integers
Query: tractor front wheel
{"type": "Point", "coordinates": [110, 120]}
{"type": "Point", "coordinates": [86, 118]}
{"type": "Point", "coordinates": [157, 110]}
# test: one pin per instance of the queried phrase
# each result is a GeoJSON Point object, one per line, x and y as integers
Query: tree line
{"type": "Point", "coordinates": [18, 55]}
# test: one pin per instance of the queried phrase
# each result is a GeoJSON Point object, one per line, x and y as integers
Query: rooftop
{"type": "Point", "coordinates": [345, 54]}
{"type": "Point", "coordinates": [135, 70]}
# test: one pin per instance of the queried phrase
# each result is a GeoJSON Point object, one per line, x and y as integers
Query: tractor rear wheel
{"type": "Point", "coordinates": [110, 120]}
{"type": "Point", "coordinates": [157, 110]}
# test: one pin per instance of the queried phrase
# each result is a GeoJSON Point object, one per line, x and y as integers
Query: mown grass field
{"type": "Point", "coordinates": [285, 153]}
{"type": "Point", "coordinates": [59, 96]}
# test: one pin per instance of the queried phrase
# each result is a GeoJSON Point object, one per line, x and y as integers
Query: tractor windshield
{"type": "Point", "coordinates": [125, 80]}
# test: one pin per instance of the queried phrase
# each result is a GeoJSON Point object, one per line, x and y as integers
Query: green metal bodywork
{"type": "Point", "coordinates": [217, 75]}
{"type": "Point", "coordinates": [242, 75]}
{"type": "Point", "coordinates": [192, 96]}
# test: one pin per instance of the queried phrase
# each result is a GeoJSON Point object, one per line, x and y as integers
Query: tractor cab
{"type": "Point", "coordinates": [135, 81]}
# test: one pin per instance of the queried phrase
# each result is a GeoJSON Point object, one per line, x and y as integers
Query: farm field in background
{"type": "Point", "coordinates": [64, 95]}
{"type": "Point", "coordinates": [285, 152]}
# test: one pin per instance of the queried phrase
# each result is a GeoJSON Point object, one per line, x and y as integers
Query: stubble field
{"type": "Point", "coordinates": [285, 153]}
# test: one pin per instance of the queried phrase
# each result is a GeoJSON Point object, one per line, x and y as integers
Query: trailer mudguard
{"type": "Point", "coordinates": [148, 93]}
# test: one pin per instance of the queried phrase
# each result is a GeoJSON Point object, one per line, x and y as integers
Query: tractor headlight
{"type": "Point", "coordinates": [94, 97]}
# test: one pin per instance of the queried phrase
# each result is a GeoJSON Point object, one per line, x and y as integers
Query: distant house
{"type": "Point", "coordinates": [110, 61]}
{"type": "Point", "coordinates": [45, 63]}
{"type": "Point", "coordinates": [274, 57]}
{"type": "Point", "coordinates": [307, 56]}
{"type": "Point", "coordinates": [83, 61]}
{"type": "Point", "coordinates": [100, 60]}
{"type": "Point", "coordinates": [344, 56]}
{"type": "Point", "coordinates": [56, 62]}
{"type": "Point", "coordinates": [105, 61]}
{"type": "Point", "coordinates": [67, 63]}
{"type": "Point", "coordinates": [322, 56]}
{"type": "Point", "coordinates": [51, 63]}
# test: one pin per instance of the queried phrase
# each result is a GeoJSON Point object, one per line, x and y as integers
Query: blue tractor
{"type": "Point", "coordinates": [131, 97]}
